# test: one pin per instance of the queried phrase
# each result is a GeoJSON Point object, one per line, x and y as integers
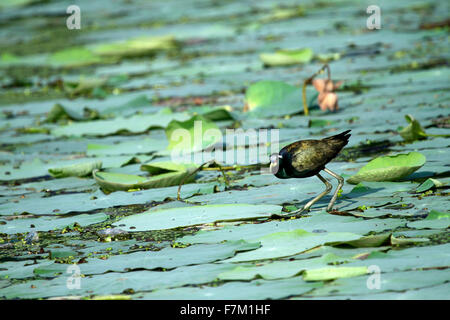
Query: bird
{"type": "Point", "coordinates": [307, 158]}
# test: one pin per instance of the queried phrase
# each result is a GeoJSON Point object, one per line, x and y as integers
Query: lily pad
{"type": "Point", "coordinates": [413, 131]}
{"type": "Point", "coordinates": [287, 57]}
{"type": "Point", "coordinates": [194, 215]}
{"type": "Point", "coordinates": [285, 244]}
{"type": "Point", "coordinates": [135, 47]}
{"type": "Point", "coordinates": [428, 184]}
{"type": "Point", "coordinates": [74, 57]}
{"type": "Point", "coordinates": [275, 99]}
{"type": "Point", "coordinates": [331, 273]}
{"type": "Point", "coordinates": [434, 220]}
{"type": "Point", "coordinates": [389, 168]}
{"type": "Point", "coordinates": [278, 269]}
{"type": "Point", "coordinates": [111, 181]}
{"type": "Point", "coordinates": [192, 135]}
{"type": "Point", "coordinates": [76, 170]}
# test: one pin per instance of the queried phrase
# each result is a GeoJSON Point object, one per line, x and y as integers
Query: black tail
{"type": "Point", "coordinates": [342, 137]}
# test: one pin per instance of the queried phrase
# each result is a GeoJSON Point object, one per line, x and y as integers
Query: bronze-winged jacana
{"type": "Point", "coordinates": [306, 158]}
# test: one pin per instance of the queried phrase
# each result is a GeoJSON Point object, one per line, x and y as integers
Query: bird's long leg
{"type": "Point", "coordinates": [341, 183]}
{"type": "Point", "coordinates": [327, 190]}
{"type": "Point", "coordinates": [310, 203]}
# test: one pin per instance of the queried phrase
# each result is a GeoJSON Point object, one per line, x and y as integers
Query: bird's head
{"type": "Point", "coordinates": [275, 163]}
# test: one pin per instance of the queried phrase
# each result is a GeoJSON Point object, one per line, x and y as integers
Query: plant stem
{"type": "Point", "coordinates": [309, 81]}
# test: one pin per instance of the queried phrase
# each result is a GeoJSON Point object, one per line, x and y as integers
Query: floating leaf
{"type": "Point", "coordinates": [333, 273]}
{"type": "Point", "coordinates": [194, 134]}
{"type": "Point", "coordinates": [194, 215]}
{"type": "Point", "coordinates": [75, 170]}
{"type": "Point", "coordinates": [389, 168]}
{"type": "Point", "coordinates": [287, 57]}
{"type": "Point", "coordinates": [320, 123]}
{"type": "Point", "coordinates": [284, 244]}
{"type": "Point", "coordinates": [213, 113]}
{"type": "Point", "coordinates": [135, 147]}
{"type": "Point", "coordinates": [160, 167]}
{"type": "Point", "coordinates": [279, 269]}
{"type": "Point", "coordinates": [59, 112]}
{"type": "Point", "coordinates": [413, 131]}
{"type": "Point", "coordinates": [434, 220]}
{"type": "Point", "coordinates": [74, 57]}
{"type": "Point", "coordinates": [406, 241]}
{"type": "Point", "coordinates": [135, 47]}
{"type": "Point", "coordinates": [275, 99]}
{"type": "Point", "coordinates": [50, 223]}
{"type": "Point", "coordinates": [367, 241]}
{"type": "Point", "coordinates": [136, 124]}
{"type": "Point", "coordinates": [111, 181]}
{"type": "Point", "coordinates": [428, 184]}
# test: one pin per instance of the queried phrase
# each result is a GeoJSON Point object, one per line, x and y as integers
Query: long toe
{"type": "Point", "coordinates": [296, 213]}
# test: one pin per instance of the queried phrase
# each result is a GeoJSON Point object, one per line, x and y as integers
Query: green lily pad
{"type": "Point", "coordinates": [413, 131]}
{"type": "Point", "coordinates": [194, 215]}
{"type": "Point", "coordinates": [332, 273]}
{"type": "Point", "coordinates": [135, 124]}
{"type": "Point", "coordinates": [257, 290]}
{"type": "Point", "coordinates": [76, 170]}
{"type": "Point", "coordinates": [284, 244]}
{"type": "Point", "coordinates": [59, 112]}
{"type": "Point", "coordinates": [393, 283]}
{"type": "Point", "coordinates": [213, 113]}
{"type": "Point", "coordinates": [389, 168]}
{"type": "Point", "coordinates": [275, 99]}
{"type": "Point", "coordinates": [367, 241]}
{"type": "Point", "coordinates": [192, 135]}
{"type": "Point", "coordinates": [168, 257]}
{"type": "Point", "coordinates": [74, 57]}
{"type": "Point", "coordinates": [141, 146]}
{"type": "Point", "coordinates": [287, 57]}
{"type": "Point", "coordinates": [160, 167]}
{"type": "Point", "coordinates": [278, 269]}
{"type": "Point", "coordinates": [434, 220]}
{"type": "Point", "coordinates": [428, 184]}
{"type": "Point", "coordinates": [398, 241]}
{"type": "Point", "coordinates": [135, 47]}
{"type": "Point", "coordinates": [111, 181]}
{"type": "Point", "coordinates": [50, 223]}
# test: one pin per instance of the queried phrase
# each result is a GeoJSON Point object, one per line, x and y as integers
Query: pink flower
{"type": "Point", "coordinates": [328, 100]}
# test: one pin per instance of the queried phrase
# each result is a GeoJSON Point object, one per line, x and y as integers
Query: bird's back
{"type": "Point", "coordinates": [308, 157]}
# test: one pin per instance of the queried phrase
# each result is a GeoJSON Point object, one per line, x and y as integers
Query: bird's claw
{"type": "Point", "coordinates": [296, 213]}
